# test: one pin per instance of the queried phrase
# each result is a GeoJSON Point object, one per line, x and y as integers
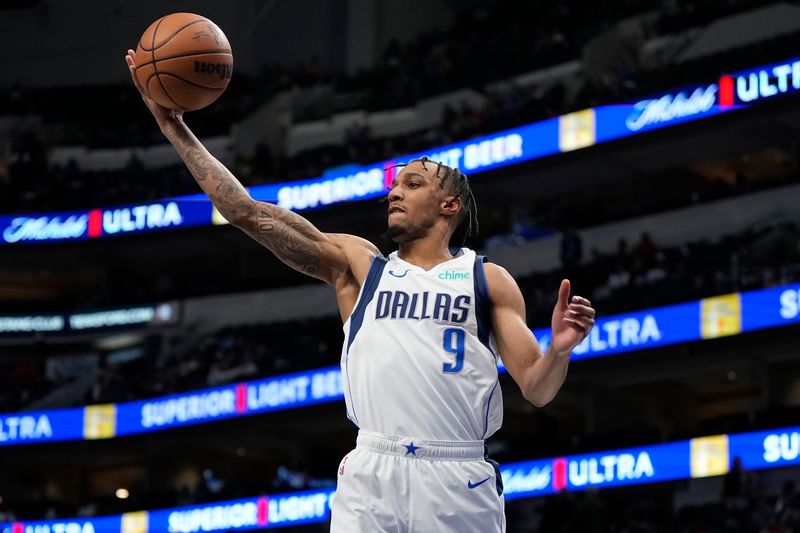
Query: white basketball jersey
{"type": "Point", "coordinates": [418, 357]}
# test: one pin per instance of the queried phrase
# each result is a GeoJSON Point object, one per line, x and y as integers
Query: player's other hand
{"type": "Point", "coordinates": [571, 323]}
{"type": "Point", "coordinates": [163, 115]}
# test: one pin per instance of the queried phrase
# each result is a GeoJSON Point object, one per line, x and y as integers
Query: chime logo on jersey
{"type": "Point", "coordinates": [399, 305]}
{"type": "Point", "coordinates": [449, 275]}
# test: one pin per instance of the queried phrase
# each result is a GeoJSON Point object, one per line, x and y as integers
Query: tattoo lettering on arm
{"type": "Point", "coordinates": [290, 237]}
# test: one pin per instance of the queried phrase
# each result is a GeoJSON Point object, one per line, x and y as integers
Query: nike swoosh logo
{"type": "Point", "coordinates": [399, 275]}
{"type": "Point", "coordinates": [472, 485]}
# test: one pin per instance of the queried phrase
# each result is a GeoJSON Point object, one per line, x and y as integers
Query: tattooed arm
{"type": "Point", "coordinates": [341, 260]}
{"type": "Point", "coordinates": [292, 238]}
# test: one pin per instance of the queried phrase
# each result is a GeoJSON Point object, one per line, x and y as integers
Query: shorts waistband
{"type": "Point", "coordinates": [412, 447]}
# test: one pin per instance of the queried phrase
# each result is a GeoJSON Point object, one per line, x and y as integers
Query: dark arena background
{"type": "Point", "coordinates": [160, 371]}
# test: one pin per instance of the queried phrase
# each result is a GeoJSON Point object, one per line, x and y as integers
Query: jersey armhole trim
{"type": "Point", "coordinates": [367, 293]}
{"type": "Point", "coordinates": [483, 305]}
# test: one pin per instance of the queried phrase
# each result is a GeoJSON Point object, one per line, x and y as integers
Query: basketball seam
{"type": "Point", "coordinates": [176, 32]}
{"type": "Point", "coordinates": [201, 52]}
{"type": "Point", "coordinates": [155, 69]}
{"type": "Point", "coordinates": [193, 83]}
{"type": "Point", "coordinates": [140, 38]}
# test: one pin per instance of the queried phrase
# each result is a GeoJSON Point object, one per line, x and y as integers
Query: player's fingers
{"type": "Point", "coordinates": [563, 293]}
{"type": "Point", "coordinates": [136, 81]}
{"type": "Point", "coordinates": [584, 310]}
{"type": "Point", "coordinates": [577, 325]}
{"type": "Point", "coordinates": [132, 70]}
{"type": "Point", "coordinates": [586, 322]}
{"type": "Point", "coordinates": [581, 300]}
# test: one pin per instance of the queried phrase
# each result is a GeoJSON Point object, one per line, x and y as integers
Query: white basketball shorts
{"type": "Point", "coordinates": [392, 484]}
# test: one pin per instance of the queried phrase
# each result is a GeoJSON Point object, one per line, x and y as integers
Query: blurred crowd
{"type": "Point", "coordinates": [741, 504]}
{"type": "Point", "coordinates": [637, 275]}
{"type": "Point", "coordinates": [466, 55]}
{"type": "Point", "coordinates": [741, 507]}
{"type": "Point", "coordinates": [500, 227]}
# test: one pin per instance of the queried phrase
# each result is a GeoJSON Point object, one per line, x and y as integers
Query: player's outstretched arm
{"type": "Point", "coordinates": [539, 376]}
{"type": "Point", "coordinates": [336, 259]}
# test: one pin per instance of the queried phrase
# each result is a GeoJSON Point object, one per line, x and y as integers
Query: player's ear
{"type": "Point", "coordinates": [451, 205]}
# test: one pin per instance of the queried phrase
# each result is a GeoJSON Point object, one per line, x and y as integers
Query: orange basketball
{"type": "Point", "coordinates": [184, 61]}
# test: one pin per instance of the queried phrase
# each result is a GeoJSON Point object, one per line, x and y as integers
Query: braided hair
{"type": "Point", "coordinates": [457, 184]}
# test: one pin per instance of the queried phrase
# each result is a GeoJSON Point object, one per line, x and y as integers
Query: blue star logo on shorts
{"type": "Point", "coordinates": [411, 449]}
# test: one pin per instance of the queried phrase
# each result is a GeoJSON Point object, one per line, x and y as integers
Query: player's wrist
{"type": "Point", "coordinates": [562, 354]}
{"type": "Point", "coordinates": [171, 123]}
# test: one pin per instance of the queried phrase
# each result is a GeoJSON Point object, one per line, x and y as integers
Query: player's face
{"type": "Point", "coordinates": [414, 202]}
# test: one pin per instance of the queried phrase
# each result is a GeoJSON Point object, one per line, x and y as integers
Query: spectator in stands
{"type": "Point", "coordinates": [738, 487]}
{"type": "Point", "coordinates": [786, 508]}
{"type": "Point", "coordinates": [645, 251]}
{"type": "Point", "coordinates": [571, 251]}
{"type": "Point", "coordinates": [591, 514]}
{"type": "Point", "coordinates": [557, 513]}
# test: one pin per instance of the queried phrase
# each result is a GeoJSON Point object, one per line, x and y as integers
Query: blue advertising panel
{"type": "Point", "coordinates": [695, 458]}
{"type": "Point", "coordinates": [767, 81]}
{"type": "Point", "coordinates": [220, 403]}
{"type": "Point", "coordinates": [729, 92]}
{"type": "Point", "coordinates": [640, 330]}
{"type": "Point", "coordinates": [263, 512]}
{"type": "Point", "coordinates": [529, 479]}
{"type": "Point", "coordinates": [631, 466]}
{"type": "Point", "coordinates": [771, 307]}
{"type": "Point", "coordinates": [63, 226]}
{"type": "Point", "coordinates": [232, 515]}
{"type": "Point", "coordinates": [473, 156]}
{"type": "Point", "coordinates": [176, 410]}
{"type": "Point", "coordinates": [98, 223]}
{"type": "Point", "coordinates": [669, 109]}
{"type": "Point", "coordinates": [103, 524]}
{"type": "Point", "coordinates": [713, 317]}
{"type": "Point", "coordinates": [32, 427]}
{"type": "Point", "coordinates": [562, 134]}
{"type": "Point", "coordinates": [767, 449]}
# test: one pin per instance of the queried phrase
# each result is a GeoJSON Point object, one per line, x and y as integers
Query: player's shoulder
{"type": "Point", "coordinates": [353, 243]}
{"type": "Point", "coordinates": [494, 271]}
{"type": "Point", "coordinates": [500, 283]}
{"type": "Point", "coordinates": [359, 253]}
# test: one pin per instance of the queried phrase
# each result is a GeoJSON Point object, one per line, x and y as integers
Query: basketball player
{"type": "Point", "coordinates": [423, 329]}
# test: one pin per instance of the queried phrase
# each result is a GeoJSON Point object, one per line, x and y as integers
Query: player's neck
{"type": "Point", "coordinates": [424, 253]}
